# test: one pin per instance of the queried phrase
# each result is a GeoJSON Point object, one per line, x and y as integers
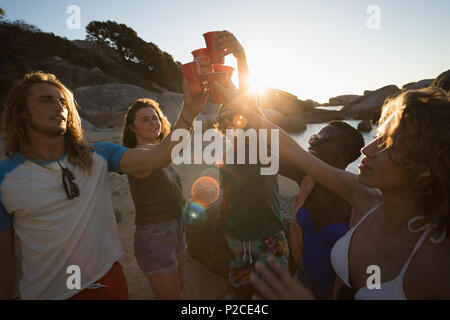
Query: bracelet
{"type": "Point", "coordinates": [182, 118]}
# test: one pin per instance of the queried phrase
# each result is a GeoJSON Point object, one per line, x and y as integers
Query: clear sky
{"type": "Point", "coordinates": [314, 49]}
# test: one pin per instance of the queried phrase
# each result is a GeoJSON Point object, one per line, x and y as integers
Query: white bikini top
{"type": "Point", "coordinates": [391, 290]}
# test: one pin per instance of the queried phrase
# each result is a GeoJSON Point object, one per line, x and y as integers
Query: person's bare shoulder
{"type": "Point", "coordinates": [145, 174]}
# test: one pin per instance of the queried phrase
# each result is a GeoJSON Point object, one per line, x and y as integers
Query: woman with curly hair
{"type": "Point", "coordinates": [400, 201]}
{"type": "Point", "coordinates": [159, 241]}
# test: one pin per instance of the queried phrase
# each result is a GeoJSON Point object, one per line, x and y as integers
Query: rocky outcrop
{"type": "Point", "coordinates": [443, 81]}
{"type": "Point", "coordinates": [109, 97]}
{"type": "Point", "coordinates": [286, 103]}
{"type": "Point", "coordinates": [207, 240]}
{"type": "Point", "coordinates": [170, 103]}
{"type": "Point", "coordinates": [321, 116]}
{"type": "Point", "coordinates": [418, 85]}
{"type": "Point", "coordinates": [86, 125]}
{"type": "Point", "coordinates": [342, 100]}
{"type": "Point", "coordinates": [106, 105]}
{"type": "Point", "coordinates": [71, 75]}
{"type": "Point", "coordinates": [362, 108]}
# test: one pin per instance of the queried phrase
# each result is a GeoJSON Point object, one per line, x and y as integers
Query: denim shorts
{"type": "Point", "coordinates": [157, 246]}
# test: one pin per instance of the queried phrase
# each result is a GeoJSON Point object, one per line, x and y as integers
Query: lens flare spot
{"type": "Point", "coordinates": [239, 121]}
{"type": "Point", "coordinates": [194, 213]}
{"type": "Point", "coordinates": [205, 191]}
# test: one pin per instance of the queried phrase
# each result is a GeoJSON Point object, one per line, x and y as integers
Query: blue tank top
{"type": "Point", "coordinates": [317, 247]}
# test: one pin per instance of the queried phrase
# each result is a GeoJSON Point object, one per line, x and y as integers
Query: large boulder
{"type": "Point", "coordinates": [417, 85]}
{"type": "Point", "coordinates": [86, 125]}
{"type": "Point", "coordinates": [342, 100]}
{"type": "Point", "coordinates": [109, 119]}
{"type": "Point", "coordinates": [321, 116]}
{"type": "Point", "coordinates": [207, 240]}
{"type": "Point", "coordinates": [170, 104]}
{"type": "Point", "coordinates": [443, 81]}
{"type": "Point", "coordinates": [311, 102]}
{"type": "Point", "coordinates": [362, 108]}
{"type": "Point", "coordinates": [285, 102]}
{"type": "Point", "coordinates": [110, 97]}
{"type": "Point", "coordinates": [106, 105]}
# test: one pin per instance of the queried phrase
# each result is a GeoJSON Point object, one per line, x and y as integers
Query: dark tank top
{"type": "Point", "coordinates": [158, 197]}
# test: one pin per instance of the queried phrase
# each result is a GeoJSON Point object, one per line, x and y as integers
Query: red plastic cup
{"type": "Point", "coordinates": [214, 93]}
{"type": "Point", "coordinates": [202, 53]}
{"type": "Point", "coordinates": [214, 56]}
{"type": "Point", "coordinates": [191, 72]}
{"type": "Point", "coordinates": [223, 68]}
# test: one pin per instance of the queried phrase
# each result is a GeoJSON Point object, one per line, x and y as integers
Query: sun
{"type": "Point", "coordinates": [258, 86]}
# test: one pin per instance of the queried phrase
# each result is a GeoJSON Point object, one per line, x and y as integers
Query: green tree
{"type": "Point", "coordinates": [150, 60]}
{"type": "Point", "coordinates": [2, 13]}
{"type": "Point", "coordinates": [117, 36]}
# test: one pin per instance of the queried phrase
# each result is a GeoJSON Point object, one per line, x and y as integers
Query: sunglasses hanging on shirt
{"type": "Point", "coordinates": [70, 187]}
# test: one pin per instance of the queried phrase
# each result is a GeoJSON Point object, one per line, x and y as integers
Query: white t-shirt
{"type": "Point", "coordinates": [56, 232]}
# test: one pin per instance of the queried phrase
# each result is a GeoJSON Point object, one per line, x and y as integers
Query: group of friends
{"type": "Point", "coordinates": [55, 196]}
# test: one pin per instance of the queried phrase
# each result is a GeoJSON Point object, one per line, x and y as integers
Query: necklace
{"type": "Point", "coordinates": [392, 250]}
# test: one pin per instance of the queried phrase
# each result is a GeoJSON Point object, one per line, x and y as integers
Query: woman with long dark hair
{"type": "Point", "coordinates": [159, 241]}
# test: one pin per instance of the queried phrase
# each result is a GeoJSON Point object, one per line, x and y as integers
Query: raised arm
{"type": "Point", "coordinates": [290, 171]}
{"type": "Point", "coordinates": [140, 159]}
{"type": "Point", "coordinates": [226, 40]}
{"type": "Point", "coordinates": [7, 264]}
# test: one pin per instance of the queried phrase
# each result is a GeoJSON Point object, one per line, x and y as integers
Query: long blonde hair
{"type": "Point", "coordinates": [16, 137]}
{"type": "Point", "coordinates": [415, 129]}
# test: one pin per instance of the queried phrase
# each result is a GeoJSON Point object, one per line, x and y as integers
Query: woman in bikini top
{"type": "Point", "coordinates": [401, 189]}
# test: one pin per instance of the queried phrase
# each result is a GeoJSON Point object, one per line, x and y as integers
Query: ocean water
{"type": "Point", "coordinates": [312, 128]}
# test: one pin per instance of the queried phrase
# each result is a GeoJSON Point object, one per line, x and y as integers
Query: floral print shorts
{"type": "Point", "coordinates": [244, 254]}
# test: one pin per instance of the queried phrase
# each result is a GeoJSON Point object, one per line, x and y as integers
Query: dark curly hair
{"type": "Point", "coordinates": [415, 129]}
{"type": "Point", "coordinates": [354, 141]}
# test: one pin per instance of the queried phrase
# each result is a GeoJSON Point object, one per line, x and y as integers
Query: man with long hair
{"type": "Point", "coordinates": [54, 194]}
